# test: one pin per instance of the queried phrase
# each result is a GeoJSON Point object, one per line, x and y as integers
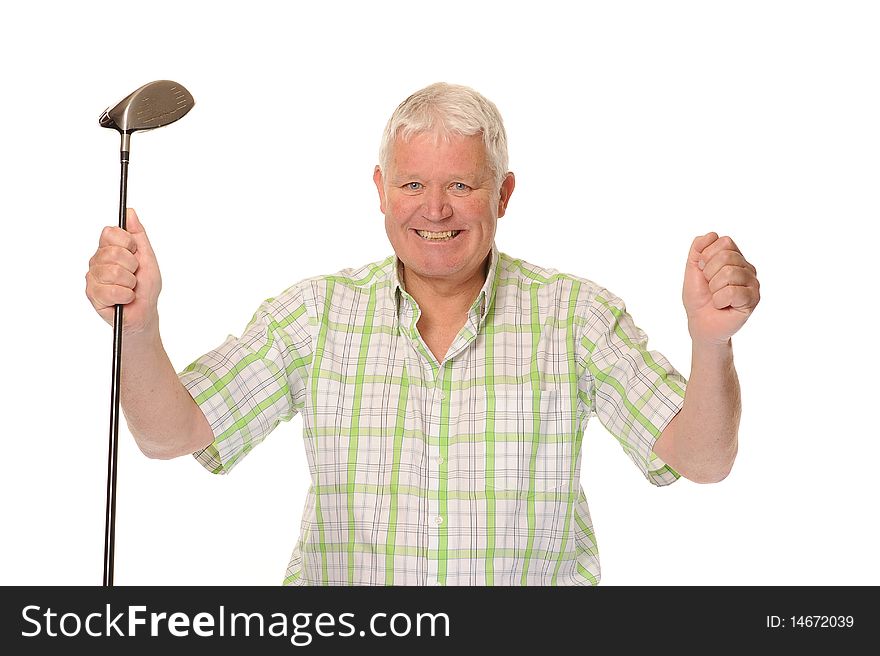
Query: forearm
{"type": "Point", "coordinates": [162, 416]}
{"type": "Point", "coordinates": [703, 442]}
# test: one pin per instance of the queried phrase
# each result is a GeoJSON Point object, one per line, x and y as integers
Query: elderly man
{"type": "Point", "coordinates": [444, 390]}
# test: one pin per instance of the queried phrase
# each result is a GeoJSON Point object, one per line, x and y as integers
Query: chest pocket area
{"type": "Point", "coordinates": [529, 441]}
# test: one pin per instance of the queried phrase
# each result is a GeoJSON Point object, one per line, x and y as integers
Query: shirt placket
{"type": "Point", "coordinates": [437, 421]}
{"type": "Point", "coordinates": [437, 521]}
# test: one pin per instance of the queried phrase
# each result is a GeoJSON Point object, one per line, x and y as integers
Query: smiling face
{"type": "Point", "coordinates": [441, 205]}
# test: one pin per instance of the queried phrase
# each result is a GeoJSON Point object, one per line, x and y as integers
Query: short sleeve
{"type": "Point", "coordinates": [249, 384]}
{"type": "Point", "coordinates": [634, 392]}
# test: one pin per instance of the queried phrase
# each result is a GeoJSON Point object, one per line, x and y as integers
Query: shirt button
{"type": "Point", "coordinates": [439, 460]}
{"type": "Point", "coordinates": [438, 520]}
{"type": "Point", "coordinates": [443, 395]}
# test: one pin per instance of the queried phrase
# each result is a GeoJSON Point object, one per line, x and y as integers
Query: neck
{"type": "Point", "coordinates": [442, 299]}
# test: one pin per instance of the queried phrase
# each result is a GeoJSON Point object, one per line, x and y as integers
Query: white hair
{"type": "Point", "coordinates": [448, 109]}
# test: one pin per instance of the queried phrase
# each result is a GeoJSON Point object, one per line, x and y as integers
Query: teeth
{"type": "Point", "coordinates": [438, 235]}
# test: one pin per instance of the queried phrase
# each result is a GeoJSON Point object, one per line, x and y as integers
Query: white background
{"type": "Point", "coordinates": [633, 127]}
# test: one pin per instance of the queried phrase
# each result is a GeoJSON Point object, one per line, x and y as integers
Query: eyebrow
{"type": "Point", "coordinates": [406, 177]}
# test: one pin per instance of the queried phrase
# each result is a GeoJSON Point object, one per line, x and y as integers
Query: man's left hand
{"type": "Point", "coordinates": [721, 289]}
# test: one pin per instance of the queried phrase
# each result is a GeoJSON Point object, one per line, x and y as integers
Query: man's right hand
{"type": "Point", "coordinates": [124, 271]}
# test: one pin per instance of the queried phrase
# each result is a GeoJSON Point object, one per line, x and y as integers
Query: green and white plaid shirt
{"type": "Point", "coordinates": [463, 472]}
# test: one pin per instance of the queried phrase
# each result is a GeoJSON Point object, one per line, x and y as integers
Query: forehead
{"type": "Point", "coordinates": [435, 150]}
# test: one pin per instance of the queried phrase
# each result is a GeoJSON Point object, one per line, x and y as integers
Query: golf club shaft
{"type": "Point", "coordinates": [110, 527]}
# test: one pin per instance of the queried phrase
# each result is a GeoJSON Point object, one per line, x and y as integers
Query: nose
{"type": "Point", "coordinates": [436, 206]}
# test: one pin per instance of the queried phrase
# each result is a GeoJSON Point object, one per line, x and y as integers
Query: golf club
{"type": "Point", "coordinates": [152, 106]}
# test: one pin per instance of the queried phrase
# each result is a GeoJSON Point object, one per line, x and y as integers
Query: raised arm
{"type": "Point", "coordinates": [161, 415]}
{"type": "Point", "coordinates": [721, 290]}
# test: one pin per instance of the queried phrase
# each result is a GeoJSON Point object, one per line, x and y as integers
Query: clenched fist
{"type": "Point", "coordinates": [124, 271]}
{"type": "Point", "coordinates": [721, 289]}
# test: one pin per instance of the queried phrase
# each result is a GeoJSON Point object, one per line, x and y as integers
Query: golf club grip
{"type": "Point", "coordinates": [113, 449]}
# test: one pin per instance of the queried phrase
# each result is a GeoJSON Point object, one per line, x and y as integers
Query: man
{"type": "Point", "coordinates": [444, 390]}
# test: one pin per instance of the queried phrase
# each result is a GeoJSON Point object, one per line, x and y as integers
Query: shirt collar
{"type": "Point", "coordinates": [481, 304]}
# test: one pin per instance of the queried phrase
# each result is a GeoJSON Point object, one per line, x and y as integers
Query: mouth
{"type": "Point", "coordinates": [446, 235]}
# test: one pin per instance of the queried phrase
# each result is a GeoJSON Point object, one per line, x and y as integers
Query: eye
{"type": "Point", "coordinates": [460, 186]}
{"type": "Point", "coordinates": [413, 186]}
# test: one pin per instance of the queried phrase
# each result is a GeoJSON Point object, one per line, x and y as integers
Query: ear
{"type": "Point", "coordinates": [380, 187]}
{"type": "Point", "coordinates": [505, 193]}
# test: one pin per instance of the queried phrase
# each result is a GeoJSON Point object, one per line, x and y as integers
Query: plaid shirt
{"type": "Point", "coordinates": [460, 472]}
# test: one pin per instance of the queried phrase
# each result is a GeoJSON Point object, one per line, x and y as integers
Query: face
{"type": "Point", "coordinates": [435, 185]}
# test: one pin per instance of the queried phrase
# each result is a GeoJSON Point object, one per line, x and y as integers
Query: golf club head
{"type": "Point", "coordinates": [152, 106]}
